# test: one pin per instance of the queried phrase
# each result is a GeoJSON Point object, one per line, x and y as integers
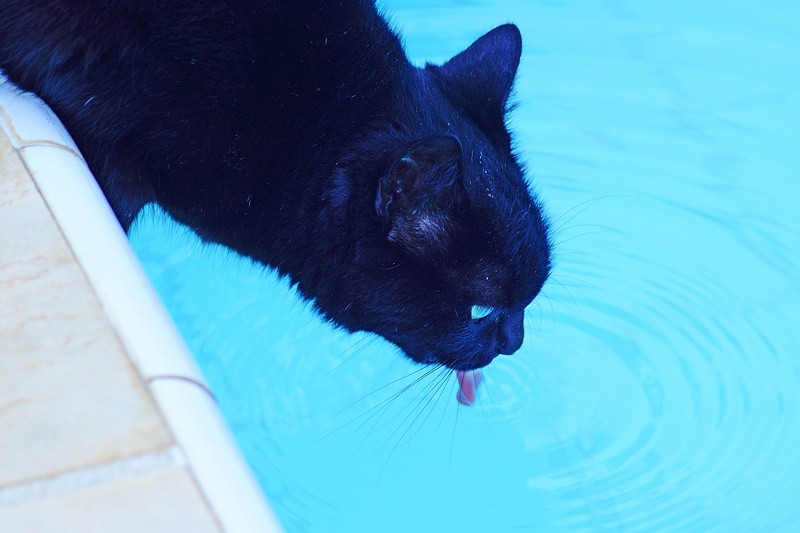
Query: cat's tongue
{"type": "Point", "coordinates": [468, 383]}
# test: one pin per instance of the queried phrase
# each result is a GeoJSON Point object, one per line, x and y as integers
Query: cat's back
{"type": "Point", "coordinates": [146, 88]}
{"type": "Point", "coordinates": [145, 70]}
{"type": "Point", "coordinates": [176, 54]}
{"type": "Point", "coordinates": [182, 95]}
{"type": "Point", "coordinates": [46, 45]}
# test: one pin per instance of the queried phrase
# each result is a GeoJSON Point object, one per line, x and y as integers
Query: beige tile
{"type": "Point", "coordinates": [69, 397]}
{"type": "Point", "coordinates": [166, 501]}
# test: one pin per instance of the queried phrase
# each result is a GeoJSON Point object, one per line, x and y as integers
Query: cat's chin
{"type": "Point", "coordinates": [460, 363]}
{"type": "Point", "coordinates": [473, 363]}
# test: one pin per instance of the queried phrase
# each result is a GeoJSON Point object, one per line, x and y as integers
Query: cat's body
{"type": "Point", "coordinates": [298, 134]}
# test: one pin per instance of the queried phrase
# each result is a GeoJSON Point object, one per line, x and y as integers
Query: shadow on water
{"type": "Point", "coordinates": [659, 384]}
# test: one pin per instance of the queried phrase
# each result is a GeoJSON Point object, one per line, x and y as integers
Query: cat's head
{"type": "Point", "coordinates": [445, 245]}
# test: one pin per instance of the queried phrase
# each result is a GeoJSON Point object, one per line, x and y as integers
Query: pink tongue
{"type": "Point", "coordinates": [468, 383]}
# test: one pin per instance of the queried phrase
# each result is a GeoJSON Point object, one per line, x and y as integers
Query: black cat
{"type": "Point", "coordinates": [297, 133]}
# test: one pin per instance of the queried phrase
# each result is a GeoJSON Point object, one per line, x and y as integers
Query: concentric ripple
{"type": "Point", "coordinates": [658, 388]}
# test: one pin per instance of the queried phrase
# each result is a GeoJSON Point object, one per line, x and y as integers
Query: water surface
{"type": "Point", "coordinates": [659, 384]}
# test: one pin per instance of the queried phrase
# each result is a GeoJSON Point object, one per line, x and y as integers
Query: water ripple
{"type": "Point", "coordinates": [659, 383]}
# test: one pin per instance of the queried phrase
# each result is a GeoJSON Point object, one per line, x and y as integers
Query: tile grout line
{"type": "Point", "coordinates": [93, 475]}
{"type": "Point", "coordinates": [20, 144]}
{"type": "Point", "coordinates": [183, 379]}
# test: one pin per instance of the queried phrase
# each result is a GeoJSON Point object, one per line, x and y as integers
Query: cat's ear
{"type": "Point", "coordinates": [482, 75]}
{"type": "Point", "coordinates": [420, 175]}
{"type": "Point", "coordinates": [414, 198]}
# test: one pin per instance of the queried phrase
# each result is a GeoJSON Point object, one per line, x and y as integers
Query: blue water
{"type": "Point", "coordinates": [659, 384]}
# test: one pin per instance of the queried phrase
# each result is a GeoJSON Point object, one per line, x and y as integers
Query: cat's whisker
{"type": "Point", "coordinates": [374, 415]}
{"type": "Point", "coordinates": [581, 285]}
{"type": "Point", "coordinates": [557, 224]}
{"type": "Point", "coordinates": [575, 307]}
{"type": "Point", "coordinates": [453, 436]}
{"type": "Point", "coordinates": [606, 229]}
{"type": "Point", "coordinates": [349, 353]}
{"type": "Point", "coordinates": [377, 413]}
{"type": "Point", "coordinates": [426, 393]}
{"type": "Point", "coordinates": [579, 256]}
{"type": "Point", "coordinates": [419, 375]}
{"type": "Point", "coordinates": [382, 405]}
{"type": "Point", "coordinates": [443, 390]}
{"type": "Point", "coordinates": [560, 226]}
{"type": "Point", "coordinates": [413, 416]}
{"type": "Point", "coordinates": [435, 395]}
{"type": "Point", "coordinates": [561, 242]}
{"type": "Point", "coordinates": [359, 346]}
{"type": "Point", "coordinates": [488, 370]}
{"type": "Point", "coordinates": [545, 294]}
{"type": "Point", "coordinates": [539, 322]}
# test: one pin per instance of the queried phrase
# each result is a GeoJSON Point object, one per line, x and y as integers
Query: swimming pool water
{"type": "Point", "coordinates": [659, 384]}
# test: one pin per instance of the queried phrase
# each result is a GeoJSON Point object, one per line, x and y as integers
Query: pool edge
{"type": "Point", "coordinates": [134, 311]}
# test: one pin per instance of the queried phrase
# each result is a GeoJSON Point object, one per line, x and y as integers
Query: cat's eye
{"type": "Point", "coordinates": [480, 311]}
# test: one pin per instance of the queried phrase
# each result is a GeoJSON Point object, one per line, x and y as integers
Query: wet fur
{"type": "Point", "coordinates": [298, 134]}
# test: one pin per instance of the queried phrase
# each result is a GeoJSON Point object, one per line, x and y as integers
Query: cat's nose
{"type": "Point", "coordinates": [511, 332]}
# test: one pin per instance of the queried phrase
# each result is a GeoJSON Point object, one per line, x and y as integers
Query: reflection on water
{"type": "Point", "coordinates": [659, 385]}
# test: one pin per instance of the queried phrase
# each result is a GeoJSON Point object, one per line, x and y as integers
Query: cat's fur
{"type": "Point", "coordinates": [297, 133]}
